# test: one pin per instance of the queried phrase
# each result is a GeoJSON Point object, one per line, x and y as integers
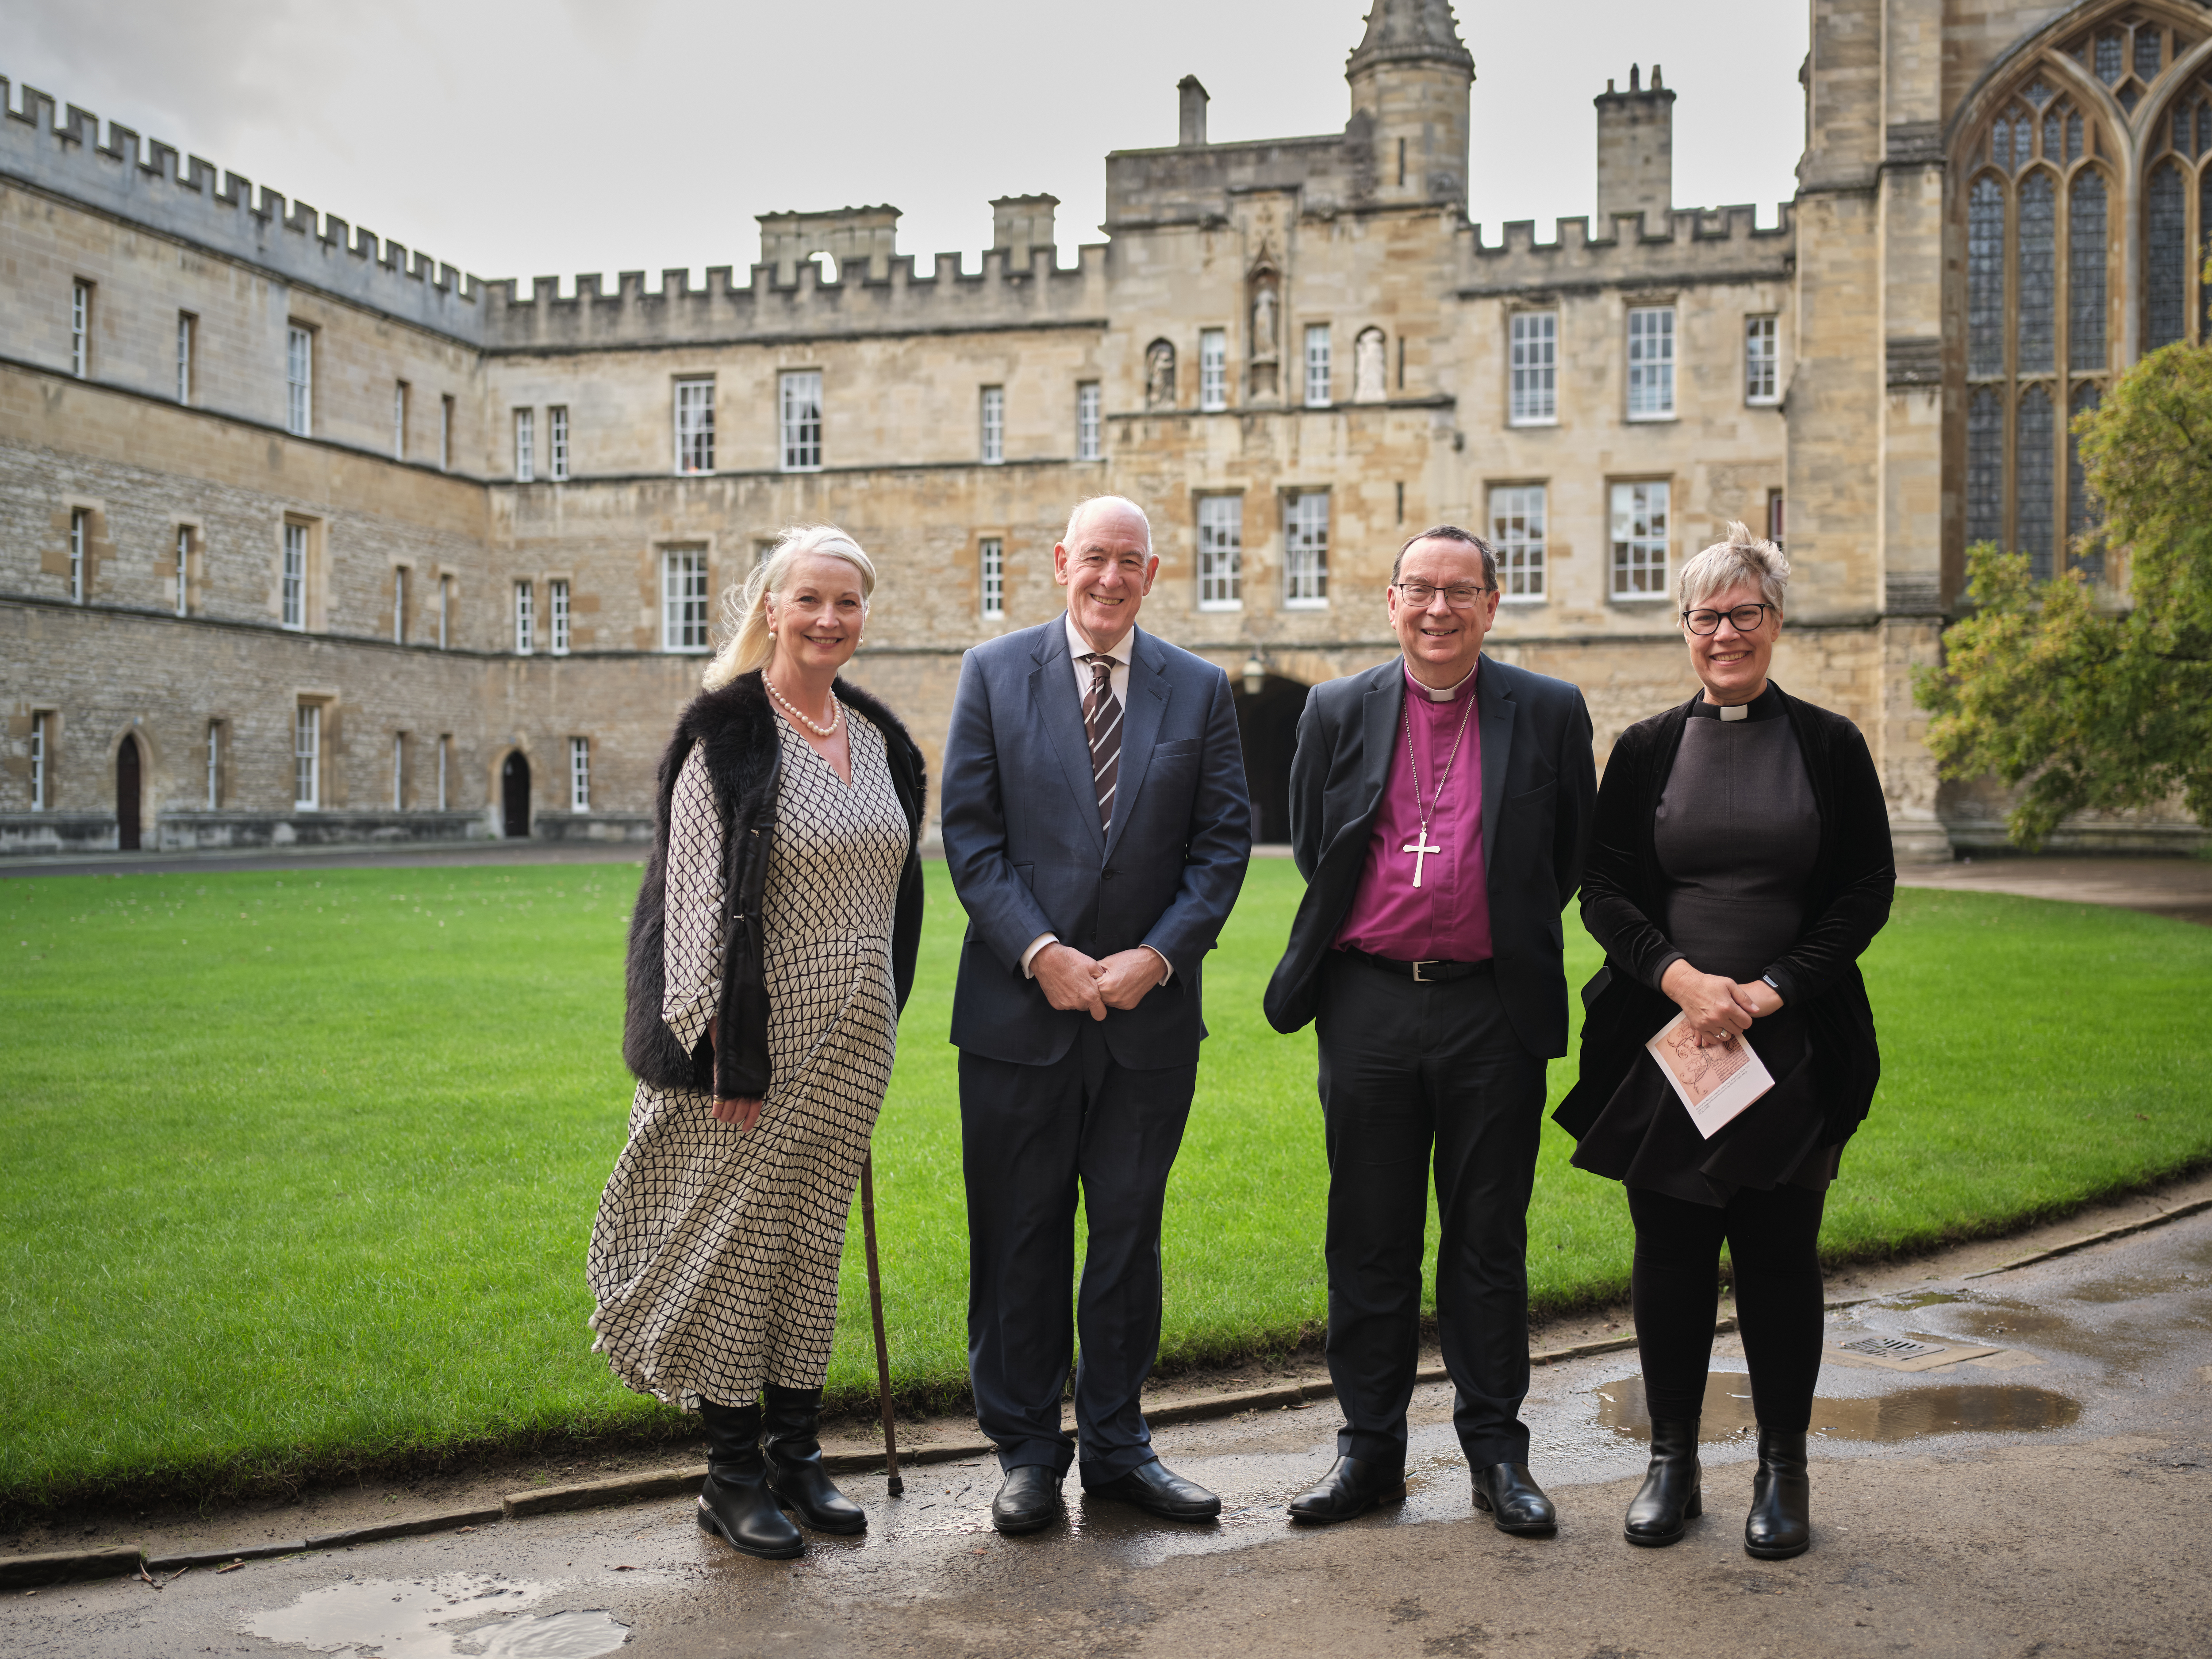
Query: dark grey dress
{"type": "Point", "coordinates": [1737, 837]}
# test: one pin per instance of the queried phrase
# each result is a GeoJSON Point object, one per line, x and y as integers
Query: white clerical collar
{"type": "Point", "coordinates": [1079, 647]}
{"type": "Point", "coordinates": [1450, 693]}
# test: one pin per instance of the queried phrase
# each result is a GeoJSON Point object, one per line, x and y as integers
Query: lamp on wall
{"type": "Point", "coordinates": [1256, 674]}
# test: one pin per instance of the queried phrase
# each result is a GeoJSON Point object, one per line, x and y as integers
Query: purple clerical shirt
{"type": "Point", "coordinates": [1447, 917]}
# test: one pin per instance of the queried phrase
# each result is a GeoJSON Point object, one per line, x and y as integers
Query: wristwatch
{"type": "Point", "coordinates": [1769, 979]}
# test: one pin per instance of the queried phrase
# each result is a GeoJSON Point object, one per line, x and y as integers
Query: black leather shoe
{"type": "Point", "coordinates": [1158, 1490]}
{"type": "Point", "coordinates": [1672, 1493]}
{"type": "Point", "coordinates": [736, 1501]}
{"type": "Point", "coordinates": [1515, 1502]}
{"type": "Point", "coordinates": [789, 1444]}
{"type": "Point", "coordinates": [1780, 1524]}
{"type": "Point", "coordinates": [1353, 1486]}
{"type": "Point", "coordinates": [1028, 1499]}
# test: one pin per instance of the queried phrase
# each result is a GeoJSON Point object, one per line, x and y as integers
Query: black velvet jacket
{"type": "Point", "coordinates": [1847, 900]}
{"type": "Point", "coordinates": [737, 728]}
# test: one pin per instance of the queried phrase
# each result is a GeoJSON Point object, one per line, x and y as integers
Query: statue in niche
{"type": "Point", "coordinates": [1159, 376]}
{"type": "Point", "coordinates": [1370, 367]}
{"type": "Point", "coordinates": [1263, 320]}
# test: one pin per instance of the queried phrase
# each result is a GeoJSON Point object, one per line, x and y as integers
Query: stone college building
{"type": "Point", "coordinates": [309, 538]}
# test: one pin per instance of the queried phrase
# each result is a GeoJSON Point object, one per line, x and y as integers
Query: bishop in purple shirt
{"type": "Point", "coordinates": [1440, 806]}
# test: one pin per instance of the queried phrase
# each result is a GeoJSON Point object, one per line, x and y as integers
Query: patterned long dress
{"type": "Point", "coordinates": [714, 1258]}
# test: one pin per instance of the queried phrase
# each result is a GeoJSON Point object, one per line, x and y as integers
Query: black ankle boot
{"type": "Point", "coordinates": [1780, 1524]}
{"type": "Point", "coordinates": [789, 1443]}
{"type": "Point", "coordinates": [1672, 1493]}
{"type": "Point", "coordinates": [736, 1501]}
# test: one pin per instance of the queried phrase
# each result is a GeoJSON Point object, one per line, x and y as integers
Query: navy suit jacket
{"type": "Point", "coordinates": [1027, 855]}
{"type": "Point", "coordinates": [1539, 785]}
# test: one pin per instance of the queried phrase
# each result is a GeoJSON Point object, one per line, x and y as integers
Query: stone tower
{"type": "Point", "coordinates": [1409, 103]}
{"type": "Point", "coordinates": [1636, 153]}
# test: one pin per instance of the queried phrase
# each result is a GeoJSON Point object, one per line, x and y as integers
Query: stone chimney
{"type": "Point", "coordinates": [1019, 223]}
{"type": "Point", "coordinates": [1636, 154]}
{"type": "Point", "coordinates": [1192, 129]}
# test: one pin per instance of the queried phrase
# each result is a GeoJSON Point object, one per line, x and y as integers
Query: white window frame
{"type": "Point", "coordinates": [991, 563]}
{"type": "Point", "coordinates": [1651, 363]}
{"type": "Point", "coordinates": [299, 381]}
{"type": "Point", "coordinates": [307, 758]}
{"type": "Point", "coordinates": [79, 328]}
{"type": "Point", "coordinates": [41, 760]}
{"type": "Point", "coordinates": [1305, 550]}
{"type": "Point", "coordinates": [525, 617]}
{"type": "Point", "coordinates": [445, 609]}
{"type": "Point", "coordinates": [80, 529]}
{"type": "Point", "coordinates": [526, 445]}
{"type": "Point", "coordinates": [186, 325]}
{"type": "Point", "coordinates": [292, 578]}
{"type": "Point", "coordinates": [183, 569]}
{"type": "Point", "coordinates": [1086, 421]}
{"type": "Point", "coordinates": [1533, 387]}
{"type": "Point", "coordinates": [215, 766]}
{"type": "Point", "coordinates": [580, 774]}
{"type": "Point", "coordinates": [557, 443]}
{"type": "Point", "coordinates": [1633, 574]}
{"type": "Point", "coordinates": [1318, 382]}
{"type": "Point", "coordinates": [399, 605]}
{"type": "Point", "coordinates": [993, 414]}
{"type": "Point", "coordinates": [1221, 552]}
{"type": "Point", "coordinates": [1762, 359]}
{"type": "Point", "coordinates": [694, 426]}
{"type": "Point", "coordinates": [1214, 368]}
{"type": "Point", "coordinates": [399, 771]}
{"type": "Point", "coordinates": [799, 419]}
{"type": "Point", "coordinates": [556, 605]}
{"type": "Point", "coordinates": [1517, 513]}
{"type": "Point", "coordinates": [400, 420]}
{"type": "Point", "coordinates": [445, 750]}
{"type": "Point", "coordinates": [683, 597]}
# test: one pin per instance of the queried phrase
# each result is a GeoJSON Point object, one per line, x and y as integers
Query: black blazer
{"type": "Point", "coordinates": [1847, 900]}
{"type": "Point", "coordinates": [743, 746]}
{"type": "Point", "coordinates": [1537, 784]}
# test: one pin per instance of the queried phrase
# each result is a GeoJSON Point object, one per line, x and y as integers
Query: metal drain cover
{"type": "Point", "coordinates": [1892, 1347]}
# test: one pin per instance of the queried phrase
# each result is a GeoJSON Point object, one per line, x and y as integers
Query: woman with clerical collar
{"type": "Point", "coordinates": [1741, 863]}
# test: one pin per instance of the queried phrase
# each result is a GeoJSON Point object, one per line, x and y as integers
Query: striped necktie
{"type": "Point", "coordinates": [1102, 719]}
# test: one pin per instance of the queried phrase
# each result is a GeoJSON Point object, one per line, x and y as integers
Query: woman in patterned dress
{"type": "Point", "coordinates": [771, 950]}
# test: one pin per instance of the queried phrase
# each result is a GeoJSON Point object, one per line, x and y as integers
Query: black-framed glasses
{"type": "Point", "coordinates": [1744, 618]}
{"type": "Point", "coordinates": [1461, 596]}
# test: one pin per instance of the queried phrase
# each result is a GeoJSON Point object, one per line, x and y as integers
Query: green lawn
{"type": "Point", "coordinates": [300, 1170]}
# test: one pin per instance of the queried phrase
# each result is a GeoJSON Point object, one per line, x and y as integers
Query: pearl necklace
{"type": "Point", "coordinates": [836, 711]}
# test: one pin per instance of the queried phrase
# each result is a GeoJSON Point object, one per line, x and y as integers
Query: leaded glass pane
{"type": "Point", "coordinates": [2165, 254]}
{"type": "Point", "coordinates": [2146, 53]}
{"type": "Point", "coordinates": [2073, 137]}
{"type": "Point", "coordinates": [2050, 141]}
{"type": "Point", "coordinates": [2204, 250]}
{"type": "Point", "coordinates": [2108, 57]}
{"type": "Point", "coordinates": [2129, 97]}
{"type": "Point", "coordinates": [1985, 278]}
{"type": "Point", "coordinates": [2038, 95]}
{"type": "Point", "coordinates": [1984, 466]}
{"type": "Point", "coordinates": [2086, 230]}
{"type": "Point", "coordinates": [2081, 514]}
{"type": "Point", "coordinates": [2039, 274]}
{"type": "Point", "coordinates": [2032, 466]}
{"type": "Point", "coordinates": [2203, 127]}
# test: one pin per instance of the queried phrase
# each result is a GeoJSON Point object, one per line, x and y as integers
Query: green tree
{"type": "Point", "coordinates": [2089, 707]}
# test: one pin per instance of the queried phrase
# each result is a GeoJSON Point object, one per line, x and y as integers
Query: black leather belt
{"type": "Point", "coordinates": [1422, 973]}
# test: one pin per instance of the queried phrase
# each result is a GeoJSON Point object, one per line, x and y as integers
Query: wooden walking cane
{"type": "Point", "coordinates": [876, 1306]}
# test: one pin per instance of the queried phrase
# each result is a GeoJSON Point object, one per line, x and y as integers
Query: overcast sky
{"type": "Point", "coordinates": [516, 139]}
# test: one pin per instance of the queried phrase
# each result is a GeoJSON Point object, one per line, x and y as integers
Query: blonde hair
{"type": "Point", "coordinates": [747, 644]}
{"type": "Point", "coordinates": [1742, 557]}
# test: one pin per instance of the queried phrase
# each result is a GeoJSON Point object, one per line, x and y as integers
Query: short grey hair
{"type": "Point", "coordinates": [1068, 537]}
{"type": "Point", "coordinates": [1743, 557]}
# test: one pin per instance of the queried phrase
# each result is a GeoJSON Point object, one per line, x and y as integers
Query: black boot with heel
{"type": "Point", "coordinates": [790, 1443]}
{"type": "Point", "coordinates": [736, 1501]}
{"type": "Point", "coordinates": [1780, 1524]}
{"type": "Point", "coordinates": [1672, 1494]}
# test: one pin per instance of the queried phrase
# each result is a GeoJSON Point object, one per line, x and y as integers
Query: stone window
{"type": "Point", "coordinates": [187, 327]}
{"type": "Point", "coordinates": [1774, 517]}
{"type": "Point", "coordinates": [445, 434]}
{"type": "Point", "coordinates": [1651, 363]}
{"type": "Point", "coordinates": [445, 611]}
{"type": "Point", "coordinates": [400, 420]}
{"type": "Point", "coordinates": [299, 381]}
{"type": "Point", "coordinates": [399, 771]}
{"type": "Point", "coordinates": [445, 751]}
{"type": "Point", "coordinates": [800, 396]}
{"type": "Point", "coordinates": [557, 443]}
{"type": "Point", "coordinates": [307, 757]}
{"type": "Point", "coordinates": [81, 328]}
{"type": "Point", "coordinates": [1639, 540]}
{"type": "Point", "coordinates": [526, 445]}
{"type": "Point", "coordinates": [694, 426]}
{"type": "Point", "coordinates": [1214, 368]}
{"type": "Point", "coordinates": [1533, 396]}
{"type": "Point", "coordinates": [399, 605]}
{"type": "Point", "coordinates": [557, 602]}
{"type": "Point", "coordinates": [1318, 390]}
{"type": "Point", "coordinates": [1305, 550]}
{"type": "Point", "coordinates": [525, 618]}
{"type": "Point", "coordinates": [2081, 511]}
{"type": "Point", "coordinates": [183, 573]}
{"type": "Point", "coordinates": [580, 774]}
{"type": "Point", "coordinates": [1762, 359]}
{"type": "Point", "coordinates": [1517, 536]}
{"type": "Point", "coordinates": [684, 598]}
{"type": "Point", "coordinates": [1086, 421]}
{"type": "Point", "coordinates": [215, 766]}
{"type": "Point", "coordinates": [1221, 553]}
{"type": "Point", "coordinates": [42, 760]}
{"type": "Point", "coordinates": [292, 597]}
{"type": "Point", "coordinates": [994, 425]}
{"type": "Point", "coordinates": [80, 535]}
{"type": "Point", "coordinates": [991, 552]}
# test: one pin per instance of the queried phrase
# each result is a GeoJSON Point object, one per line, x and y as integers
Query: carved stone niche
{"type": "Point", "coordinates": [1370, 367]}
{"type": "Point", "coordinates": [1264, 290]}
{"type": "Point", "coordinates": [1160, 375]}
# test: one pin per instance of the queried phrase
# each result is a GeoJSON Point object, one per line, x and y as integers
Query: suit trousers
{"type": "Point", "coordinates": [1031, 1137]}
{"type": "Point", "coordinates": [1407, 1071]}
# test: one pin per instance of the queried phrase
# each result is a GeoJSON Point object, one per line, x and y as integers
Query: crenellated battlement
{"type": "Point", "coordinates": [1695, 244]}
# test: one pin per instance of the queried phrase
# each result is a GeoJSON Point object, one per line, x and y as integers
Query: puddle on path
{"type": "Point", "coordinates": [461, 1615]}
{"type": "Point", "coordinates": [1908, 1413]}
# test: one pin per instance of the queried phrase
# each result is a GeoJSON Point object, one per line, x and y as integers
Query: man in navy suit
{"type": "Point", "coordinates": [1097, 828]}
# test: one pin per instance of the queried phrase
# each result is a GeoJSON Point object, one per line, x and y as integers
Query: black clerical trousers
{"type": "Point", "coordinates": [1030, 1136]}
{"type": "Point", "coordinates": [1407, 1071]}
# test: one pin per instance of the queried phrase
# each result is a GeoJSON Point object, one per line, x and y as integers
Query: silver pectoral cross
{"type": "Point", "coordinates": [1420, 850]}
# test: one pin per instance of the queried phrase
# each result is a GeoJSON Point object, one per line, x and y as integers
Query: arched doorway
{"type": "Point", "coordinates": [127, 779]}
{"type": "Point", "coordinates": [514, 795]}
{"type": "Point", "coordinates": [1268, 724]}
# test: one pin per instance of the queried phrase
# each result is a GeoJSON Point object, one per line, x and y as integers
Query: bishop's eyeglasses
{"type": "Point", "coordinates": [1461, 596]}
{"type": "Point", "coordinates": [1744, 619]}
